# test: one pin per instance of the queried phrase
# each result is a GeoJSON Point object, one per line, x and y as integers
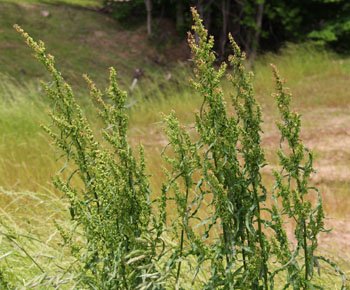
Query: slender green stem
{"type": "Point", "coordinates": [243, 238]}
{"type": "Point", "coordinates": [227, 243]}
{"type": "Point", "coordinates": [306, 258]}
{"type": "Point", "coordinates": [182, 239]}
{"type": "Point", "coordinates": [179, 265]}
{"type": "Point", "coordinates": [244, 256]}
{"type": "Point", "coordinates": [261, 241]}
{"type": "Point", "coordinates": [306, 255]}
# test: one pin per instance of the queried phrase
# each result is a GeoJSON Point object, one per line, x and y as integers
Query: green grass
{"type": "Point", "coordinates": [316, 77]}
{"type": "Point", "coordinates": [30, 242]}
{"type": "Point", "coordinates": [80, 3]}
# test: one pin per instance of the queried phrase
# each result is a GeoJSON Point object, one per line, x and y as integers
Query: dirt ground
{"type": "Point", "coordinates": [328, 133]}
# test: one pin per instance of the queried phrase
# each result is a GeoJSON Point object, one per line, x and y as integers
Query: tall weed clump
{"type": "Point", "coordinates": [293, 189]}
{"type": "Point", "coordinates": [221, 166]}
{"type": "Point", "coordinates": [111, 207]}
{"type": "Point", "coordinates": [226, 229]}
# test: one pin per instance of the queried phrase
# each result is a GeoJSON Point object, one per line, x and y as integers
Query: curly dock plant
{"type": "Point", "coordinates": [241, 234]}
{"type": "Point", "coordinates": [226, 158]}
{"type": "Point", "coordinates": [294, 190]}
{"type": "Point", "coordinates": [226, 229]}
{"type": "Point", "coordinates": [112, 208]}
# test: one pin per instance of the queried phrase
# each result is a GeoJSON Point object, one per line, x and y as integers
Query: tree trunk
{"type": "Point", "coordinates": [148, 4]}
{"type": "Point", "coordinates": [225, 10]}
{"type": "Point", "coordinates": [200, 8]}
{"type": "Point", "coordinates": [180, 19]}
{"type": "Point", "coordinates": [204, 10]}
{"type": "Point", "coordinates": [256, 38]}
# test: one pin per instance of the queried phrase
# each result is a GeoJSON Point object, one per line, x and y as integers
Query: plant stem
{"type": "Point", "coordinates": [179, 265]}
{"type": "Point", "coordinates": [306, 258]}
{"type": "Point", "coordinates": [306, 255]}
{"type": "Point", "coordinates": [261, 242]}
{"type": "Point", "coordinates": [182, 238]}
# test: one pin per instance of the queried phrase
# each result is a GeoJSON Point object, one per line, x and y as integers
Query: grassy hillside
{"type": "Point", "coordinates": [86, 41]}
{"type": "Point", "coordinates": [79, 3]}
{"type": "Point", "coordinates": [83, 40]}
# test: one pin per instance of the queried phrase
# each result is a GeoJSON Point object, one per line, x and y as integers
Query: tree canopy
{"type": "Point", "coordinates": [255, 24]}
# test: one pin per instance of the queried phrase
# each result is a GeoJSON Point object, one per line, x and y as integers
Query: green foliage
{"type": "Point", "coordinates": [126, 11]}
{"type": "Point", "coordinates": [222, 232]}
{"type": "Point", "coordinates": [334, 29]}
{"type": "Point", "coordinates": [325, 21]}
